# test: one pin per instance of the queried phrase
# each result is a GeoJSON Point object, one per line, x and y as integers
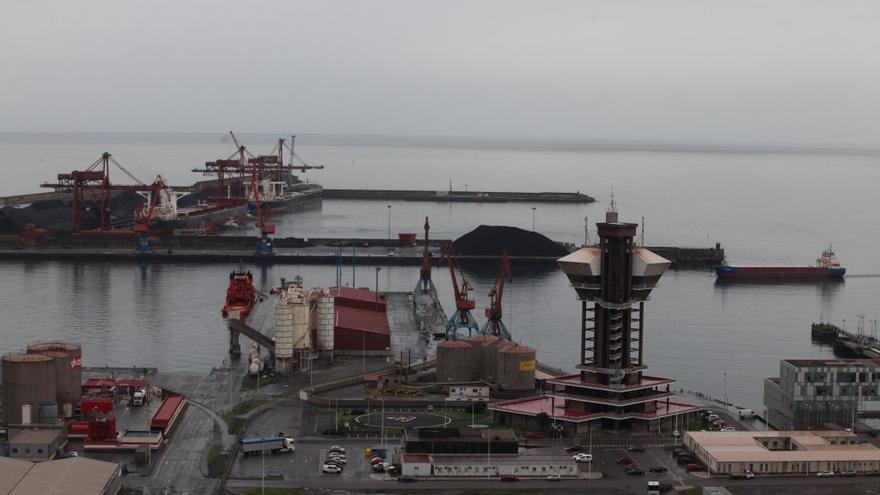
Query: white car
{"type": "Point", "coordinates": [825, 474]}
{"type": "Point", "coordinates": [728, 428]}
{"type": "Point", "coordinates": [554, 477]}
{"type": "Point", "coordinates": [583, 457]}
{"type": "Point", "coordinates": [331, 469]}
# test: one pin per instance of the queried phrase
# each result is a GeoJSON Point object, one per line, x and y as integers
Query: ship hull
{"type": "Point", "coordinates": [209, 220]}
{"type": "Point", "coordinates": [299, 201]}
{"type": "Point", "coordinates": [789, 273]}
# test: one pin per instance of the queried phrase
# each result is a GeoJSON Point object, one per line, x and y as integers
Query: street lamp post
{"type": "Point", "coordinates": [725, 389]}
{"type": "Point", "coordinates": [389, 222]}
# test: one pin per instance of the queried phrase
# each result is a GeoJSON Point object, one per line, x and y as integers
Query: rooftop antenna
{"type": "Point", "coordinates": [642, 235]}
{"type": "Point", "coordinates": [586, 231]}
{"type": "Point", "coordinates": [611, 214]}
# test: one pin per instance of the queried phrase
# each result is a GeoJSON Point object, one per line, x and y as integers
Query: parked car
{"type": "Point", "coordinates": [712, 417]}
{"type": "Point", "coordinates": [376, 460]}
{"type": "Point", "coordinates": [331, 469]}
{"type": "Point", "coordinates": [683, 460]}
{"type": "Point", "coordinates": [533, 436]}
{"type": "Point", "coordinates": [825, 474]}
{"type": "Point", "coordinates": [509, 477]}
{"type": "Point", "coordinates": [693, 467]}
{"type": "Point", "coordinates": [574, 448]}
{"type": "Point", "coordinates": [583, 457]}
{"type": "Point", "coordinates": [728, 428]}
{"type": "Point", "coordinates": [337, 448]}
{"type": "Point", "coordinates": [847, 474]}
{"type": "Point", "coordinates": [554, 477]}
{"type": "Point", "coordinates": [636, 448]}
{"type": "Point", "coordinates": [665, 487]}
{"type": "Point", "coordinates": [634, 471]}
{"type": "Point", "coordinates": [67, 455]}
{"type": "Point", "coordinates": [624, 460]}
{"type": "Point", "coordinates": [406, 479]}
{"type": "Point", "coordinates": [658, 469]}
{"type": "Point", "coordinates": [743, 476]}
{"type": "Point", "coordinates": [334, 462]}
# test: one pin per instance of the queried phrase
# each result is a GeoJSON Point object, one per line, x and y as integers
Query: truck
{"type": "Point", "coordinates": [273, 445]}
{"type": "Point", "coordinates": [138, 397]}
{"type": "Point", "coordinates": [746, 414]}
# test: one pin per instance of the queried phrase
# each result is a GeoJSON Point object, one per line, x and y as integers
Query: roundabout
{"type": "Point", "coordinates": [403, 419]}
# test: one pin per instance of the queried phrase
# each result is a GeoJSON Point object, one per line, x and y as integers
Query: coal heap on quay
{"type": "Point", "coordinates": [54, 214]}
{"type": "Point", "coordinates": [490, 240]}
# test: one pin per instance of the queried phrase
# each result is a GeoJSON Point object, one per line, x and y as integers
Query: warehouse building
{"type": "Point", "coordinates": [361, 322]}
{"type": "Point", "coordinates": [461, 466]}
{"type": "Point", "coordinates": [459, 441]}
{"type": "Point", "coordinates": [782, 452]}
{"type": "Point", "coordinates": [73, 476]}
{"type": "Point", "coordinates": [813, 393]}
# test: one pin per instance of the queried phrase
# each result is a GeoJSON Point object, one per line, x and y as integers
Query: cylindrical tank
{"type": "Point", "coordinates": [516, 367]}
{"type": "Point", "coordinates": [48, 413]}
{"type": "Point", "coordinates": [27, 379]}
{"type": "Point", "coordinates": [326, 320]}
{"type": "Point", "coordinates": [455, 361]}
{"type": "Point", "coordinates": [63, 382]}
{"type": "Point", "coordinates": [485, 355]}
{"type": "Point", "coordinates": [71, 388]}
{"type": "Point", "coordinates": [26, 414]}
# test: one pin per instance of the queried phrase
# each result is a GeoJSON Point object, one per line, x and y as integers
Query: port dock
{"type": "Point", "coordinates": [451, 196]}
{"type": "Point", "coordinates": [294, 251]}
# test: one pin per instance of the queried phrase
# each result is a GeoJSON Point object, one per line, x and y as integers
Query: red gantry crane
{"type": "Point", "coordinates": [462, 318]}
{"type": "Point", "coordinates": [92, 191]}
{"type": "Point", "coordinates": [426, 285]}
{"type": "Point", "coordinates": [494, 325]}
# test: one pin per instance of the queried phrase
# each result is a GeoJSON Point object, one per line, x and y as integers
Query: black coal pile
{"type": "Point", "coordinates": [490, 240]}
{"type": "Point", "coordinates": [54, 214]}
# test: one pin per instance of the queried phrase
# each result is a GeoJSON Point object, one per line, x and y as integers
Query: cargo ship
{"type": "Point", "coordinates": [286, 196]}
{"type": "Point", "coordinates": [201, 217]}
{"type": "Point", "coordinates": [240, 295]}
{"type": "Point", "coordinates": [826, 268]}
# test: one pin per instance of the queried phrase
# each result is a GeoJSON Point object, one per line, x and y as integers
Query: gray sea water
{"type": "Point", "coordinates": [763, 206]}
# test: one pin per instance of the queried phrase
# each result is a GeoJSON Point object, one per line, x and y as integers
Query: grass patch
{"type": "Point", "coordinates": [217, 462]}
{"type": "Point", "coordinates": [249, 382]}
{"type": "Point", "coordinates": [239, 409]}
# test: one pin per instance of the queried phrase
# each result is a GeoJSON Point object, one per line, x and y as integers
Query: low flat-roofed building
{"type": "Point", "coordinates": [11, 472]}
{"type": "Point", "coordinates": [37, 444]}
{"type": "Point", "coordinates": [456, 466]}
{"type": "Point", "coordinates": [782, 452]}
{"type": "Point", "coordinates": [73, 476]}
{"type": "Point", "coordinates": [460, 441]}
{"type": "Point", "coordinates": [415, 464]}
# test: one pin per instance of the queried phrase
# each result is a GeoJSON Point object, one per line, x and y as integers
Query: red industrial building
{"type": "Point", "coordinates": [361, 321]}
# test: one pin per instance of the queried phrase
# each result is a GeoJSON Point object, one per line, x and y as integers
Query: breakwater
{"type": "Point", "coordinates": [457, 196]}
{"type": "Point", "coordinates": [288, 250]}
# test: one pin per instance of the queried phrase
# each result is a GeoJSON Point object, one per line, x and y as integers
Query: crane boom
{"type": "Point", "coordinates": [494, 324]}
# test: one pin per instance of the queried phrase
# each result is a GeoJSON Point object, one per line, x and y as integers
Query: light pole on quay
{"type": "Point", "coordinates": [389, 222]}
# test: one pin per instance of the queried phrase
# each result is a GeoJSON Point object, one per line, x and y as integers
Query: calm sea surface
{"type": "Point", "coordinates": [762, 207]}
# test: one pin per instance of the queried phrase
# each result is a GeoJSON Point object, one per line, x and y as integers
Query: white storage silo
{"type": "Point", "coordinates": [291, 327]}
{"type": "Point", "coordinates": [326, 321]}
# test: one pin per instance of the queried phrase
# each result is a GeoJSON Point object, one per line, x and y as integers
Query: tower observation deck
{"type": "Point", "coordinates": [613, 280]}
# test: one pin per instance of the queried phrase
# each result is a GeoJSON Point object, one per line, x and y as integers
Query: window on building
{"type": "Point", "coordinates": [39, 451]}
{"type": "Point", "coordinates": [14, 450]}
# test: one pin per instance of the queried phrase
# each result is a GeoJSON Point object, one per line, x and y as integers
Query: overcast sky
{"type": "Point", "coordinates": [734, 71]}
